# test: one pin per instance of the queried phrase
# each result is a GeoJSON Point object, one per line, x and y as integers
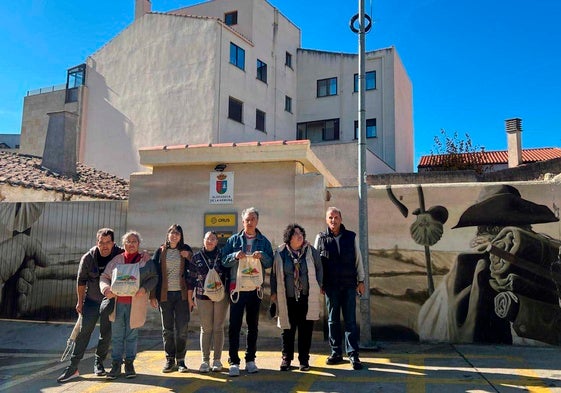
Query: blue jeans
{"type": "Point", "coordinates": [175, 322]}
{"type": "Point", "coordinates": [124, 338]}
{"type": "Point", "coordinates": [250, 303]}
{"type": "Point", "coordinates": [90, 315]}
{"type": "Point", "coordinates": [338, 300]}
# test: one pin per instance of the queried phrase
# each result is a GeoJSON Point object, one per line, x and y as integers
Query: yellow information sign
{"type": "Point", "coordinates": [220, 220]}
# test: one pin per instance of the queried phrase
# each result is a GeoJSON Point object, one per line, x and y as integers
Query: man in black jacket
{"type": "Point", "coordinates": [343, 279]}
{"type": "Point", "coordinates": [91, 266]}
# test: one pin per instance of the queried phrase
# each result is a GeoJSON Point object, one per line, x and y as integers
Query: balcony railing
{"type": "Point", "coordinates": [43, 90]}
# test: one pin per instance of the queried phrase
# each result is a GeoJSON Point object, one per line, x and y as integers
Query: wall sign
{"type": "Point", "coordinates": [221, 190]}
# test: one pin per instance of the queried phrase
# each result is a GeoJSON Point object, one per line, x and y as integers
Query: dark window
{"type": "Point", "coordinates": [259, 120]}
{"type": "Point", "coordinates": [75, 77]}
{"type": "Point", "coordinates": [319, 131]}
{"type": "Point", "coordinates": [235, 110]}
{"type": "Point", "coordinates": [231, 18]}
{"type": "Point", "coordinates": [237, 56]}
{"type": "Point", "coordinates": [261, 71]}
{"type": "Point", "coordinates": [369, 81]}
{"type": "Point", "coordinates": [288, 60]}
{"type": "Point", "coordinates": [327, 87]}
{"type": "Point", "coordinates": [288, 104]}
{"type": "Point", "coordinates": [370, 128]}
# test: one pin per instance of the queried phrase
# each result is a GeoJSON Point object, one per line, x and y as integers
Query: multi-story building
{"type": "Point", "coordinates": [226, 71]}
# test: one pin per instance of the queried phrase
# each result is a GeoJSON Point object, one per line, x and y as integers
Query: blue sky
{"type": "Point", "coordinates": [472, 64]}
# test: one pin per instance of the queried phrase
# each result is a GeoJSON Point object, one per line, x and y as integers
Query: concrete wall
{"type": "Point", "coordinates": [271, 188]}
{"type": "Point", "coordinates": [142, 86]}
{"type": "Point", "coordinates": [35, 120]}
{"type": "Point", "coordinates": [403, 303]}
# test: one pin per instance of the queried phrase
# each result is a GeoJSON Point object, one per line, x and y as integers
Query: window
{"type": "Point", "coordinates": [370, 128]}
{"type": "Point", "coordinates": [75, 77]}
{"type": "Point", "coordinates": [369, 81]}
{"type": "Point", "coordinates": [237, 56]}
{"type": "Point", "coordinates": [261, 71]}
{"type": "Point", "coordinates": [288, 60]}
{"type": "Point", "coordinates": [288, 104]}
{"type": "Point", "coordinates": [231, 18]}
{"type": "Point", "coordinates": [259, 120]}
{"type": "Point", "coordinates": [327, 87]}
{"type": "Point", "coordinates": [319, 131]}
{"type": "Point", "coordinates": [235, 110]}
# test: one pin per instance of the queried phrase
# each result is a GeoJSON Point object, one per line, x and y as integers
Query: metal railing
{"type": "Point", "coordinates": [49, 89]}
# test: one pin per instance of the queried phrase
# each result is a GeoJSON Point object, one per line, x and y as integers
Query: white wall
{"type": "Point", "coordinates": [153, 84]}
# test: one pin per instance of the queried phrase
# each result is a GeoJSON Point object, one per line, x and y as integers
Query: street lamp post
{"type": "Point", "coordinates": [365, 331]}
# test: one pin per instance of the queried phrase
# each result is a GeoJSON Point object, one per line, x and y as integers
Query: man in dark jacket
{"type": "Point", "coordinates": [343, 279]}
{"type": "Point", "coordinates": [91, 266]}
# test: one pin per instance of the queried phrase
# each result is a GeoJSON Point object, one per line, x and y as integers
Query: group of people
{"type": "Point", "coordinates": [214, 280]}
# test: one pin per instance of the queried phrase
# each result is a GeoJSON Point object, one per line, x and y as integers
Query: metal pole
{"type": "Point", "coordinates": [366, 327]}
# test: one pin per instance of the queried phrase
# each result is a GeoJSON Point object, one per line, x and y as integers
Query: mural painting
{"type": "Point", "coordinates": [40, 248]}
{"type": "Point", "coordinates": [494, 260]}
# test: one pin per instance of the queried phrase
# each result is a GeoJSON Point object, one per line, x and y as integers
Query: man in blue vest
{"type": "Point", "coordinates": [343, 279]}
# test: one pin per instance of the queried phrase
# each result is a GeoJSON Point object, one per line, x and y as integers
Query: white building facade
{"type": "Point", "coordinates": [233, 71]}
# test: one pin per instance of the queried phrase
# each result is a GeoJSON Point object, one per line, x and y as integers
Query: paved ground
{"type": "Point", "coordinates": [30, 353]}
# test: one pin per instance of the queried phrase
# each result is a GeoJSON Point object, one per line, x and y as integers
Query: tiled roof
{"type": "Point", "coordinates": [21, 170]}
{"type": "Point", "coordinates": [496, 157]}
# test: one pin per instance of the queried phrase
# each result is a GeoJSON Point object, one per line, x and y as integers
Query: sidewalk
{"type": "Point", "coordinates": [30, 354]}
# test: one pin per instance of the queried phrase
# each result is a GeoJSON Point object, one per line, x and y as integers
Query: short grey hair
{"type": "Point", "coordinates": [334, 209]}
{"type": "Point", "coordinates": [248, 211]}
{"type": "Point", "coordinates": [131, 233]}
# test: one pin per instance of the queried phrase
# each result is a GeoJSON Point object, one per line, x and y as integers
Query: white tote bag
{"type": "Point", "coordinates": [125, 279]}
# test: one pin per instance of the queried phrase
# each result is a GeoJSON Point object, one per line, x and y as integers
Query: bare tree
{"type": "Point", "coordinates": [451, 153]}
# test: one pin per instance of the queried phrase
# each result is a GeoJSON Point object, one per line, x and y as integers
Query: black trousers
{"type": "Point", "coordinates": [297, 311]}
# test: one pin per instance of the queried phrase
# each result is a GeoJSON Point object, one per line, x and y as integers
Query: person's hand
{"type": "Point", "coordinates": [192, 305]}
{"type": "Point", "coordinates": [240, 255]}
{"type": "Point", "coordinates": [322, 291]}
{"type": "Point", "coordinates": [154, 302]}
{"type": "Point", "coordinates": [141, 292]}
{"type": "Point", "coordinates": [79, 306]}
{"type": "Point", "coordinates": [109, 294]}
{"type": "Point", "coordinates": [186, 254]}
{"type": "Point", "coordinates": [360, 288]}
{"type": "Point", "coordinates": [274, 297]}
{"type": "Point", "coordinates": [257, 254]}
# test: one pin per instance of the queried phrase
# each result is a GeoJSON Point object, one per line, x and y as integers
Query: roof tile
{"type": "Point", "coordinates": [26, 171]}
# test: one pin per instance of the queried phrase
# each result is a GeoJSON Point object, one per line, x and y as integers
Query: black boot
{"type": "Point", "coordinates": [129, 368]}
{"type": "Point", "coordinates": [115, 370]}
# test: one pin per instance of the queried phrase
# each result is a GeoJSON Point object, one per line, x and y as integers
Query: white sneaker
{"type": "Point", "coordinates": [234, 370]}
{"type": "Point", "coordinates": [251, 367]}
{"type": "Point", "coordinates": [205, 368]}
{"type": "Point", "coordinates": [217, 366]}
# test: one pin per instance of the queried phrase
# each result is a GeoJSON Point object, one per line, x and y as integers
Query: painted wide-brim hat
{"type": "Point", "coordinates": [502, 205]}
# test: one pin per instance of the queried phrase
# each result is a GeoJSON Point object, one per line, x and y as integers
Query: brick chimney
{"type": "Point", "coordinates": [141, 8]}
{"type": "Point", "coordinates": [514, 141]}
{"type": "Point", "coordinates": [59, 154]}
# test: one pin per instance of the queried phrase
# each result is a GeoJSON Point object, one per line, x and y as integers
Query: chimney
{"type": "Point", "coordinates": [59, 154]}
{"type": "Point", "coordinates": [514, 141]}
{"type": "Point", "coordinates": [141, 8]}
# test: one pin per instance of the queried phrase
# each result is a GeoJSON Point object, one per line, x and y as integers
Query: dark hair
{"type": "Point", "coordinates": [181, 242]}
{"type": "Point", "coordinates": [106, 232]}
{"type": "Point", "coordinates": [289, 232]}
